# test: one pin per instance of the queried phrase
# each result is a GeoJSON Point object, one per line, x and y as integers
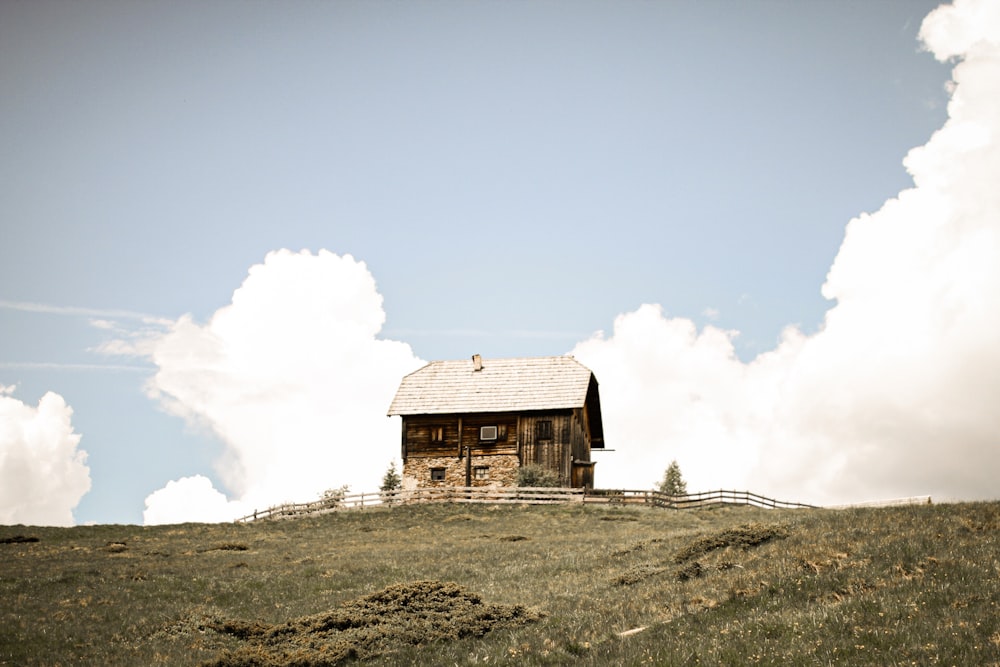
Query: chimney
{"type": "Point", "coordinates": [477, 362]}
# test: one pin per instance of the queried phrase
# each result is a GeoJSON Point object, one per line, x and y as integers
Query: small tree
{"type": "Point", "coordinates": [673, 484]}
{"type": "Point", "coordinates": [536, 475]}
{"type": "Point", "coordinates": [391, 481]}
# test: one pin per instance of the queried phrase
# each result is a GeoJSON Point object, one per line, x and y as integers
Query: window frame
{"type": "Point", "coordinates": [482, 432]}
{"type": "Point", "coordinates": [438, 474]}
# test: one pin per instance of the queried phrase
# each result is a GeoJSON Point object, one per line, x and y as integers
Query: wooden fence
{"type": "Point", "coordinates": [894, 502]}
{"type": "Point", "coordinates": [519, 495]}
{"type": "Point", "coordinates": [691, 500]}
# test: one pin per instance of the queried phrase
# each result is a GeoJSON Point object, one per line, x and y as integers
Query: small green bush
{"type": "Point", "coordinates": [536, 475]}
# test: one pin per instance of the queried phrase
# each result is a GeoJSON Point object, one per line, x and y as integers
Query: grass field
{"type": "Point", "coordinates": [537, 585]}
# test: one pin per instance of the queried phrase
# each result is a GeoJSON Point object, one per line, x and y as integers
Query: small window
{"type": "Point", "coordinates": [437, 474]}
{"type": "Point", "coordinates": [437, 433]}
{"type": "Point", "coordinates": [544, 430]}
{"type": "Point", "coordinates": [482, 472]}
{"type": "Point", "coordinates": [488, 433]}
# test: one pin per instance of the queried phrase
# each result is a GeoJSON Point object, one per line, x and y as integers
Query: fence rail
{"type": "Point", "coordinates": [691, 500]}
{"type": "Point", "coordinates": [520, 495]}
{"type": "Point", "coordinates": [893, 502]}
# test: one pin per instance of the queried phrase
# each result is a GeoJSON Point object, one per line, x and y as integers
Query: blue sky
{"type": "Point", "coordinates": [514, 176]}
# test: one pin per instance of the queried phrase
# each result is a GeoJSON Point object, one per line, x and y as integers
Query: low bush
{"type": "Point", "coordinates": [534, 475]}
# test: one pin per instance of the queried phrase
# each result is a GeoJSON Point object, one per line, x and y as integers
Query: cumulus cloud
{"type": "Point", "coordinates": [43, 474]}
{"type": "Point", "coordinates": [192, 498]}
{"type": "Point", "coordinates": [895, 395]}
{"type": "Point", "coordinates": [291, 377]}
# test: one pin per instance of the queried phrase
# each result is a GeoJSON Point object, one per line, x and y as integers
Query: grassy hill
{"type": "Point", "coordinates": [547, 585]}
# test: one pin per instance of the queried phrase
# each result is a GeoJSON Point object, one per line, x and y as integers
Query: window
{"type": "Point", "coordinates": [437, 474]}
{"type": "Point", "coordinates": [482, 472]}
{"type": "Point", "coordinates": [437, 433]}
{"type": "Point", "coordinates": [488, 433]}
{"type": "Point", "coordinates": [543, 430]}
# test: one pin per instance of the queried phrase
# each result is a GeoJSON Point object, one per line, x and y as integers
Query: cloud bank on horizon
{"type": "Point", "coordinates": [43, 473]}
{"type": "Point", "coordinates": [891, 397]}
{"type": "Point", "coordinates": [894, 396]}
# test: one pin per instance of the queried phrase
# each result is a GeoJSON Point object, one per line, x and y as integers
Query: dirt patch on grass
{"type": "Point", "coordinates": [638, 546]}
{"type": "Point", "coordinates": [634, 575]}
{"type": "Point", "coordinates": [228, 546]}
{"type": "Point", "coordinates": [692, 570]}
{"type": "Point", "coordinates": [415, 613]}
{"type": "Point", "coordinates": [745, 537]}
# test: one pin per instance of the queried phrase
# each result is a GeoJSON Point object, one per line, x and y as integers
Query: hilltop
{"type": "Point", "coordinates": [452, 584]}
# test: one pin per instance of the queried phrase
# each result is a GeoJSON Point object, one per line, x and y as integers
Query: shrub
{"type": "Point", "coordinates": [334, 497]}
{"type": "Point", "coordinates": [536, 475]}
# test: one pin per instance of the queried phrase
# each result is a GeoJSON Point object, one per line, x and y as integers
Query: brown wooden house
{"type": "Point", "coordinates": [474, 423]}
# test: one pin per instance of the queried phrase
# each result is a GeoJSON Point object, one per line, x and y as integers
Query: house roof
{"type": "Point", "coordinates": [502, 385]}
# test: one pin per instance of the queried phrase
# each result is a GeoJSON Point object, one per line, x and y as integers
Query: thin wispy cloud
{"type": "Point", "coordinates": [60, 366]}
{"type": "Point", "coordinates": [105, 319]}
{"type": "Point", "coordinates": [79, 311]}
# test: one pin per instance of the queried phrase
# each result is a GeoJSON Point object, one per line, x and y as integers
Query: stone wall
{"type": "Point", "coordinates": [501, 471]}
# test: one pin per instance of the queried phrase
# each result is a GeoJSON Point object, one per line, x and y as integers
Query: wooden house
{"type": "Point", "coordinates": [476, 422]}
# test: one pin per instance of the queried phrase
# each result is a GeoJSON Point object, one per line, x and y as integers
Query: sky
{"type": "Point", "coordinates": [228, 229]}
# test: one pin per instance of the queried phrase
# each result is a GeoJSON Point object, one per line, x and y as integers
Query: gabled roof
{"type": "Point", "coordinates": [502, 385]}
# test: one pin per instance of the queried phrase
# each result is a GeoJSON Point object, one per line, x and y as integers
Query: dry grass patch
{"type": "Point", "coordinates": [415, 614]}
{"type": "Point", "coordinates": [228, 546]}
{"type": "Point", "coordinates": [744, 537]}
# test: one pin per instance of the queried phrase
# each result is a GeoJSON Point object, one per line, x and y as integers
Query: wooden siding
{"type": "Point", "coordinates": [555, 439]}
{"type": "Point", "coordinates": [460, 431]}
{"type": "Point", "coordinates": [567, 442]}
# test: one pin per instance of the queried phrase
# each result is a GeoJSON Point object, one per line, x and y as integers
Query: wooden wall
{"type": "Point", "coordinates": [553, 439]}
{"type": "Point", "coordinates": [567, 441]}
{"type": "Point", "coordinates": [458, 431]}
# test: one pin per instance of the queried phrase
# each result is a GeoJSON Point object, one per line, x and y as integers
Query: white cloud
{"type": "Point", "coordinates": [42, 473]}
{"type": "Point", "coordinates": [895, 395]}
{"type": "Point", "coordinates": [292, 379]}
{"type": "Point", "coordinates": [191, 499]}
{"type": "Point", "coordinates": [101, 314]}
{"type": "Point", "coordinates": [59, 366]}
